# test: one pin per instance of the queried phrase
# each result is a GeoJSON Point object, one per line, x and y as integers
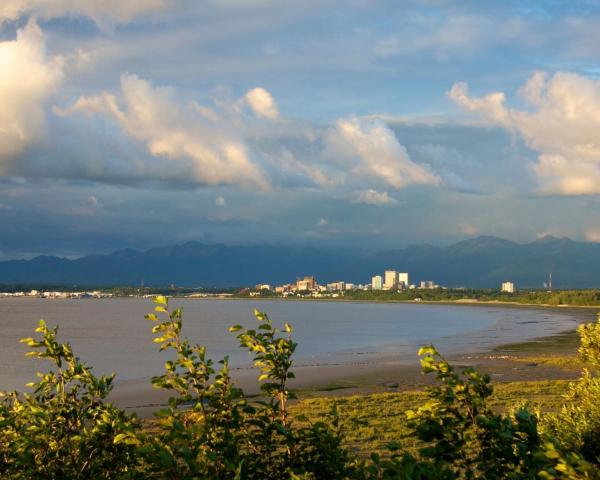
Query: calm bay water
{"type": "Point", "coordinates": [112, 335]}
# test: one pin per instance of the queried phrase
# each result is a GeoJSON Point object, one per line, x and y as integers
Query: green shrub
{"type": "Point", "coordinates": [577, 424]}
{"type": "Point", "coordinates": [223, 435]}
{"type": "Point", "coordinates": [65, 428]}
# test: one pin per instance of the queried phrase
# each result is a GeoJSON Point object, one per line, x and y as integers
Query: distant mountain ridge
{"type": "Point", "coordinates": [483, 261]}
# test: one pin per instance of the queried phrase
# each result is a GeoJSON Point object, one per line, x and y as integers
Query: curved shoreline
{"type": "Point", "coordinates": [383, 373]}
{"type": "Point", "coordinates": [464, 302]}
{"type": "Point", "coordinates": [461, 302]}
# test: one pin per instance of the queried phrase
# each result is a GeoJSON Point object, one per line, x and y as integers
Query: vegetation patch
{"type": "Point", "coordinates": [459, 427]}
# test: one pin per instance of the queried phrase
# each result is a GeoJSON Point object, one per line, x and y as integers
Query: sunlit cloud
{"type": "Point", "coordinates": [370, 149]}
{"type": "Point", "coordinates": [262, 103]}
{"type": "Point", "coordinates": [193, 134]}
{"type": "Point", "coordinates": [29, 77]}
{"type": "Point", "coordinates": [562, 124]}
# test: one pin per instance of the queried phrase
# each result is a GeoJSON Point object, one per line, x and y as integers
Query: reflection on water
{"type": "Point", "coordinates": [112, 335]}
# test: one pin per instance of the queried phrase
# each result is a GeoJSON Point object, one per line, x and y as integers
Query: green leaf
{"type": "Point", "coordinates": [427, 350]}
{"type": "Point", "coordinates": [161, 300]}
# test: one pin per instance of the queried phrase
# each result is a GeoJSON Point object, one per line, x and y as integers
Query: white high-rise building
{"type": "Point", "coordinates": [403, 279]}
{"type": "Point", "coordinates": [377, 282]}
{"type": "Point", "coordinates": [508, 287]}
{"type": "Point", "coordinates": [391, 280]}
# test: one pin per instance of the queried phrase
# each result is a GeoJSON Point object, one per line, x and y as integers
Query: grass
{"type": "Point", "coordinates": [370, 422]}
{"type": "Point", "coordinates": [564, 343]}
{"type": "Point", "coordinates": [566, 362]}
{"type": "Point", "coordinates": [558, 351]}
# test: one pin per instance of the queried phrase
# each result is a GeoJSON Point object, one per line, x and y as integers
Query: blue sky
{"type": "Point", "coordinates": [362, 123]}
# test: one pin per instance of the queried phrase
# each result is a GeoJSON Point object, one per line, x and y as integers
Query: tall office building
{"type": "Point", "coordinates": [377, 282]}
{"type": "Point", "coordinates": [508, 287]}
{"type": "Point", "coordinates": [403, 279]}
{"type": "Point", "coordinates": [391, 280]}
{"type": "Point", "coordinates": [306, 284]}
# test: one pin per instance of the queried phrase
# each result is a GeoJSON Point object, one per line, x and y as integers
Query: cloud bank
{"type": "Point", "coordinates": [194, 135]}
{"type": "Point", "coordinates": [224, 145]}
{"type": "Point", "coordinates": [28, 79]}
{"type": "Point", "coordinates": [561, 123]}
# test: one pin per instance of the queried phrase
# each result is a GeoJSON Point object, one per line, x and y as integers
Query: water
{"type": "Point", "coordinates": [112, 335]}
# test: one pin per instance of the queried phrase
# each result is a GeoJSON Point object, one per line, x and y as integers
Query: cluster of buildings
{"type": "Point", "coordinates": [391, 280]}
{"type": "Point", "coordinates": [38, 294]}
{"type": "Point", "coordinates": [309, 285]}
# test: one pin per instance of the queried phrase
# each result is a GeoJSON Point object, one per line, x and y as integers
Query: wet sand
{"type": "Point", "coordinates": [518, 361]}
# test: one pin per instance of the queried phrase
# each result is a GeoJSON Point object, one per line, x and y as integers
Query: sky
{"type": "Point", "coordinates": [359, 123]}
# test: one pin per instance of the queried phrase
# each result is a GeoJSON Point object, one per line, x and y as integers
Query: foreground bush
{"type": "Point", "coordinates": [220, 434]}
{"type": "Point", "coordinates": [578, 422]}
{"type": "Point", "coordinates": [66, 429]}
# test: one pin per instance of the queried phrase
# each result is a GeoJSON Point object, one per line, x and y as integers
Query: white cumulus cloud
{"type": "Point", "coordinates": [373, 197]}
{"type": "Point", "coordinates": [262, 103]}
{"type": "Point", "coordinates": [194, 135]}
{"type": "Point", "coordinates": [492, 106]}
{"type": "Point", "coordinates": [561, 123]}
{"type": "Point", "coordinates": [28, 78]}
{"type": "Point", "coordinates": [371, 150]}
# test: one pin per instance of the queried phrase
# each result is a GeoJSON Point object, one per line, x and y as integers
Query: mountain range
{"type": "Point", "coordinates": [484, 261]}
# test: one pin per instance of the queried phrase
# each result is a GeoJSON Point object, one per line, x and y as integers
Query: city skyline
{"type": "Point", "coordinates": [380, 124]}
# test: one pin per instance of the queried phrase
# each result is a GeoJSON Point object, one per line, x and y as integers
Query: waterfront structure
{"type": "Point", "coordinates": [306, 284]}
{"type": "Point", "coordinates": [391, 280]}
{"type": "Point", "coordinates": [283, 289]}
{"type": "Point", "coordinates": [508, 287]}
{"type": "Point", "coordinates": [336, 286]}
